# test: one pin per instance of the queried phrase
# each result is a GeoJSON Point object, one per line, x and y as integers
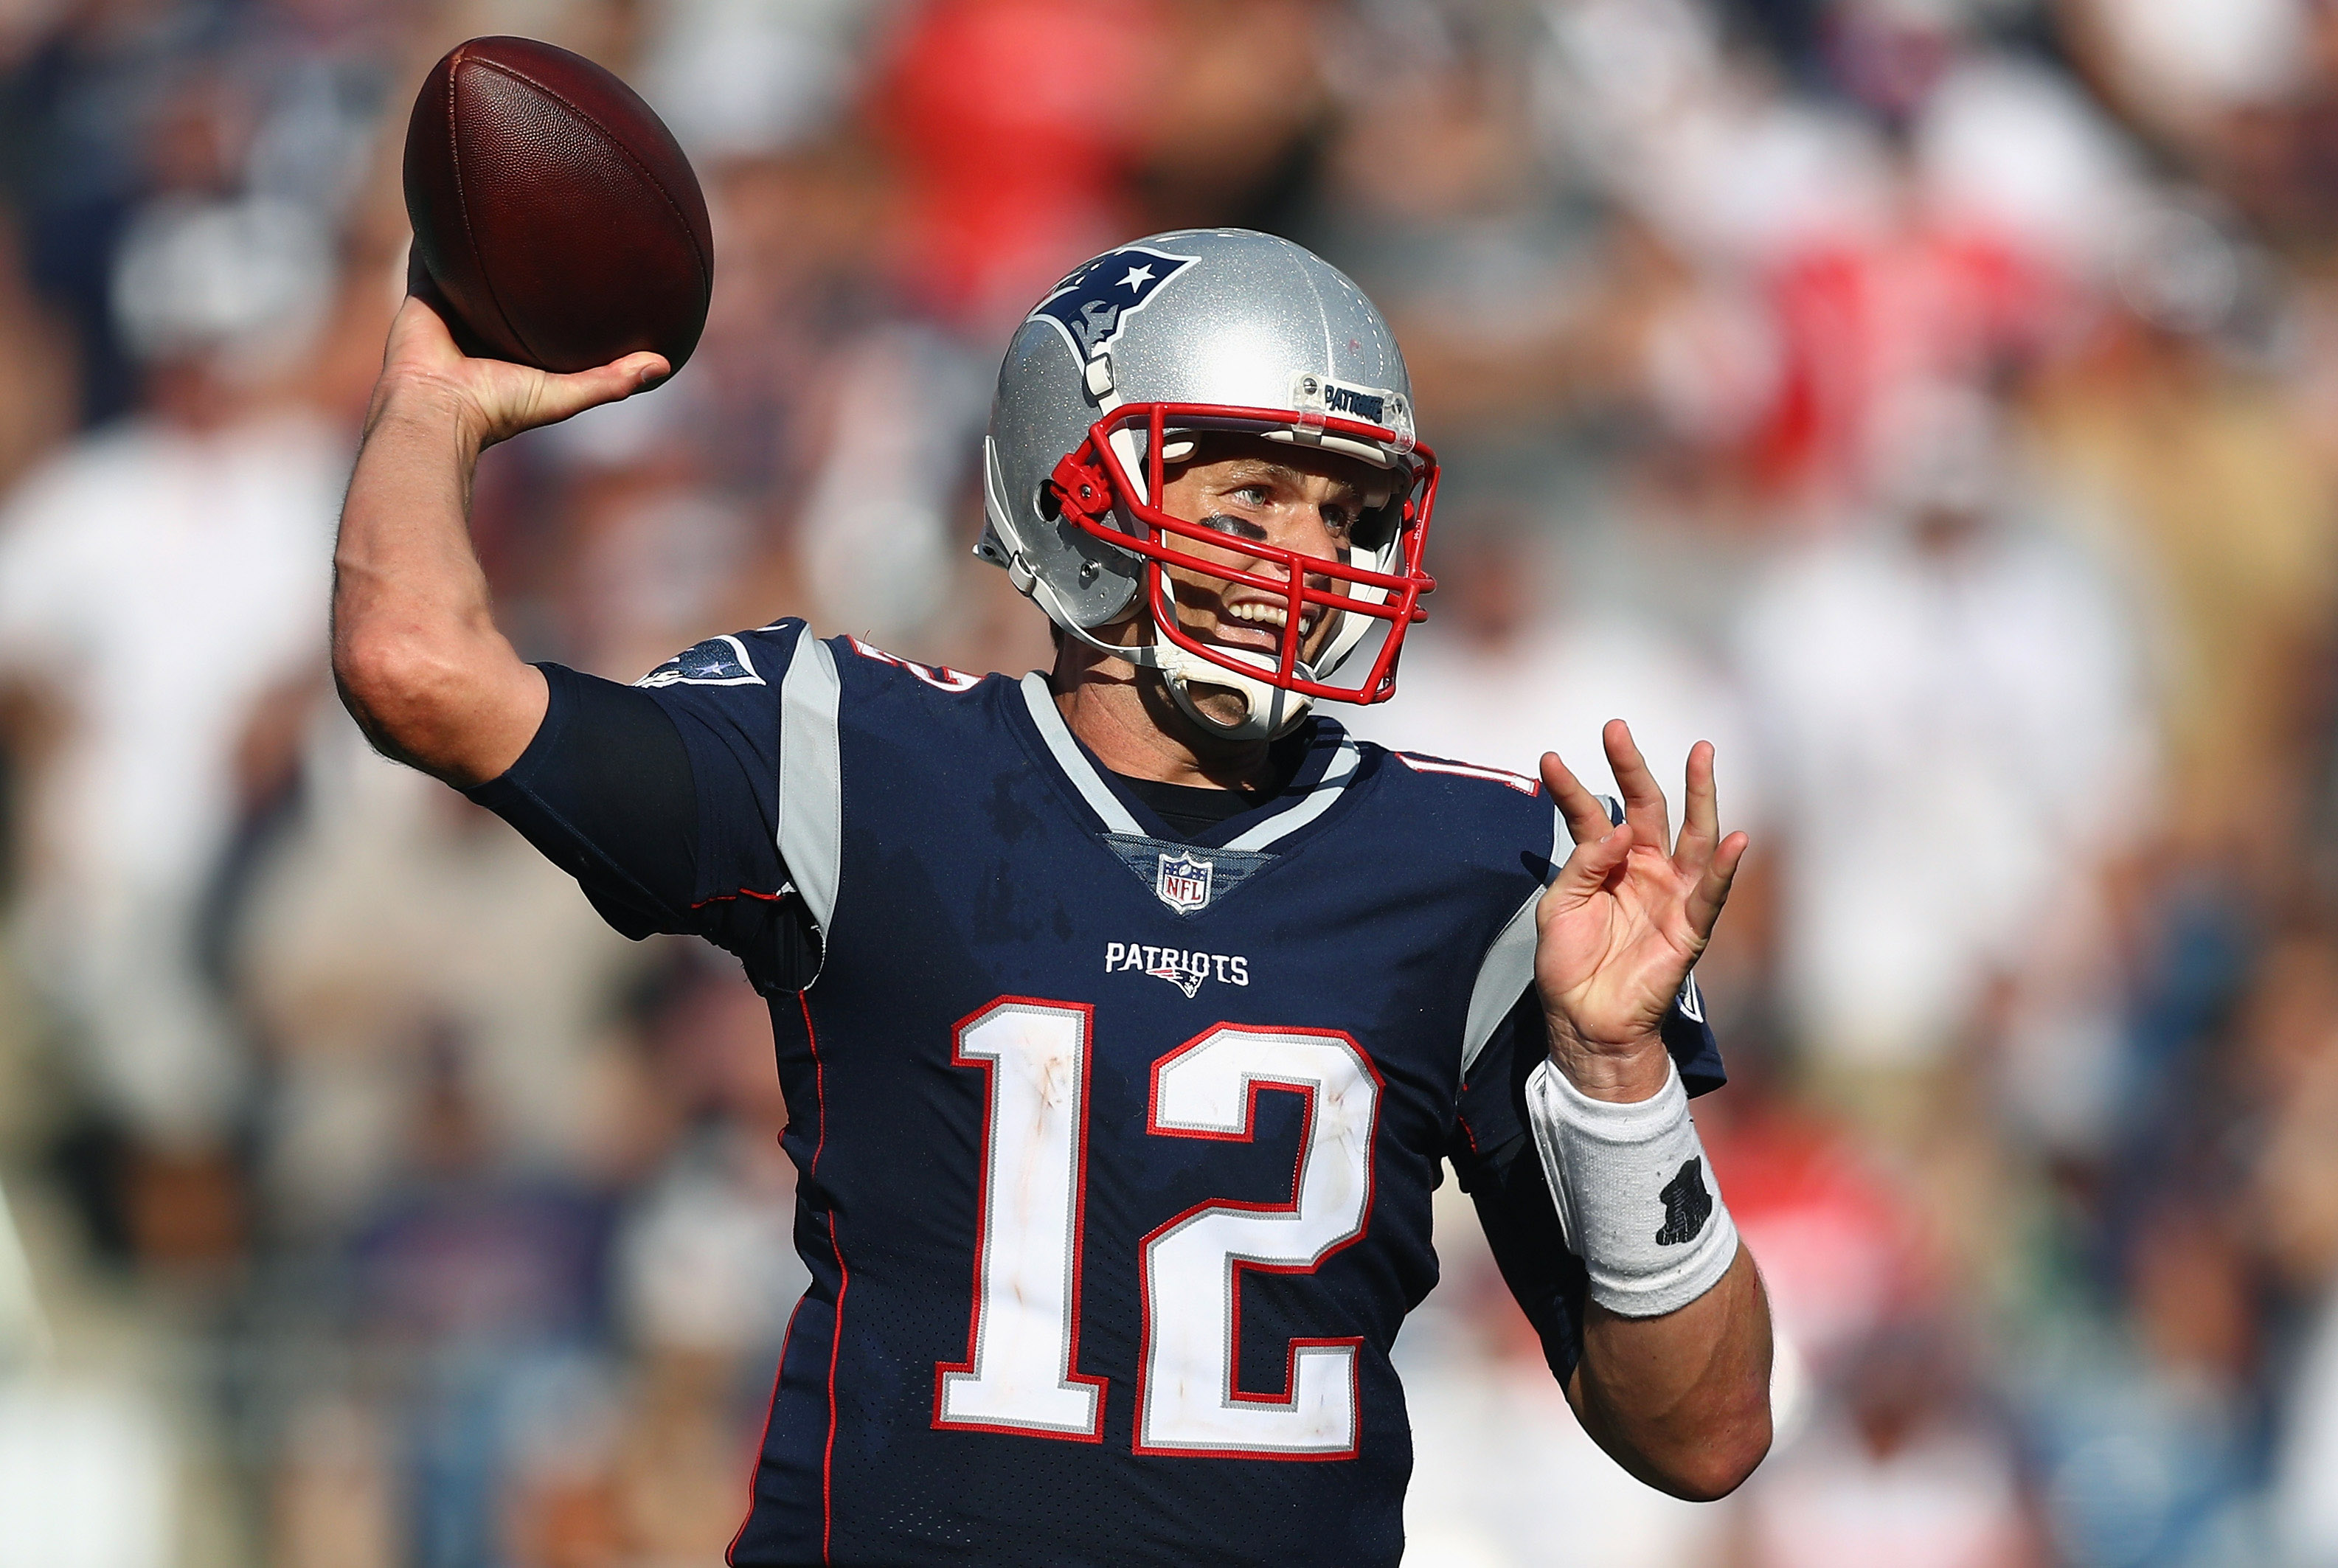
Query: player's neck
{"type": "Point", "coordinates": [1127, 720]}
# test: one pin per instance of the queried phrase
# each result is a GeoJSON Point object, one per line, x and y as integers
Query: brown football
{"type": "Point", "coordinates": [556, 222]}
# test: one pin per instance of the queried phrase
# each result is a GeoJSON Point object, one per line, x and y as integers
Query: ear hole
{"type": "Point", "coordinates": [1049, 504]}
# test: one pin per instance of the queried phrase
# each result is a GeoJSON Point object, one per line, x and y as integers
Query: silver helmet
{"type": "Point", "coordinates": [1114, 376]}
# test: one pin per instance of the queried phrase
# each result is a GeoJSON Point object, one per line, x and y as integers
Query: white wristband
{"type": "Point", "coordinates": [1635, 1194]}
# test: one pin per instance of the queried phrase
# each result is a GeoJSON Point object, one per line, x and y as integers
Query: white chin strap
{"type": "Point", "coordinates": [1268, 711]}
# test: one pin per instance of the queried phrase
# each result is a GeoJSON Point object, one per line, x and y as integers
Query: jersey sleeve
{"type": "Point", "coordinates": [660, 799]}
{"type": "Point", "coordinates": [1494, 1160]}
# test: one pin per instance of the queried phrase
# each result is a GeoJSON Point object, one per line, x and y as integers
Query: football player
{"type": "Point", "coordinates": [1128, 1012]}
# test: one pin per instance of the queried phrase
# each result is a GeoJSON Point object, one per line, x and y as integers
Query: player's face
{"type": "Point", "coordinates": [1251, 490]}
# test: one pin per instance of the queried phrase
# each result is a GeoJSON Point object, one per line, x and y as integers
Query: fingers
{"type": "Point", "coordinates": [1700, 812]}
{"type": "Point", "coordinates": [1644, 803]}
{"type": "Point", "coordinates": [1587, 819]}
{"type": "Point", "coordinates": [1588, 869]}
{"type": "Point", "coordinates": [1712, 889]}
{"type": "Point", "coordinates": [503, 398]}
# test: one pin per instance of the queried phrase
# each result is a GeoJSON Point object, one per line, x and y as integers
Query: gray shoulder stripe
{"type": "Point", "coordinates": [1508, 967]}
{"type": "Point", "coordinates": [1319, 801]}
{"type": "Point", "coordinates": [811, 785]}
{"type": "Point", "coordinates": [1507, 971]}
{"type": "Point", "coordinates": [1073, 761]}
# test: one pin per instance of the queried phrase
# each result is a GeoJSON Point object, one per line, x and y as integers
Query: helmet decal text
{"type": "Point", "coordinates": [1320, 395]}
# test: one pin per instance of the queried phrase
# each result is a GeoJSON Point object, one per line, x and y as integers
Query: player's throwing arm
{"type": "Point", "coordinates": [558, 226]}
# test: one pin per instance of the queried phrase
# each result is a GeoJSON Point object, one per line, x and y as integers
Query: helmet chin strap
{"type": "Point", "coordinates": [1269, 713]}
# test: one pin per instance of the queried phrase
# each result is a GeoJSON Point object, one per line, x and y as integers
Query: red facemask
{"type": "Point", "coordinates": [1093, 483]}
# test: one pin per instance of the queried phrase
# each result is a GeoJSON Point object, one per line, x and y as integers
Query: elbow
{"type": "Point", "coordinates": [377, 675]}
{"type": "Point", "coordinates": [1728, 1451]}
{"type": "Point", "coordinates": [399, 689]}
{"type": "Point", "coordinates": [1710, 1476]}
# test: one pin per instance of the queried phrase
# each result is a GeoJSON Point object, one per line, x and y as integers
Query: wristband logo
{"type": "Point", "coordinates": [1687, 1205]}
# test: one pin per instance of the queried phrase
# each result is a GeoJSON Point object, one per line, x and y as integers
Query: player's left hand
{"type": "Point", "coordinates": [1618, 930]}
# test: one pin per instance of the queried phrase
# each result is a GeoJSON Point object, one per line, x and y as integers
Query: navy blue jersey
{"type": "Point", "coordinates": [1115, 1147]}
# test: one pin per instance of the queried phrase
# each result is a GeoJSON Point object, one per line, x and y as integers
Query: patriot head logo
{"type": "Point", "coordinates": [1184, 882]}
{"type": "Point", "coordinates": [1090, 307]}
{"type": "Point", "coordinates": [1687, 1205]}
{"type": "Point", "coordinates": [717, 661]}
{"type": "Point", "coordinates": [1173, 968]}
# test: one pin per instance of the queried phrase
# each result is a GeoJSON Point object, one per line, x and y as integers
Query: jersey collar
{"type": "Point", "coordinates": [1323, 777]}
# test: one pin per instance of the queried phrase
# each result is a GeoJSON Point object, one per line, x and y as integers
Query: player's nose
{"type": "Point", "coordinates": [1303, 530]}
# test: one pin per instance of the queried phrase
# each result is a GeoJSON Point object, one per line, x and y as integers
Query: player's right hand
{"type": "Point", "coordinates": [493, 399]}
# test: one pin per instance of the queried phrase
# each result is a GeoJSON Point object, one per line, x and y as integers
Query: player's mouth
{"type": "Point", "coordinates": [1259, 623]}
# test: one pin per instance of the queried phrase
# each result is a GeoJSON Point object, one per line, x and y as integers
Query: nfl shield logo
{"type": "Point", "coordinates": [1184, 882]}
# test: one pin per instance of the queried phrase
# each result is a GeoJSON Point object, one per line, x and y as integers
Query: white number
{"type": "Point", "coordinates": [1024, 1340]}
{"type": "Point", "coordinates": [1187, 1399]}
{"type": "Point", "coordinates": [1017, 1374]}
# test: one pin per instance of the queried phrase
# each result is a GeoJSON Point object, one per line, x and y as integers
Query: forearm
{"type": "Point", "coordinates": [1682, 1400]}
{"type": "Point", "coordinates": [416, 651]}
{"type": "Point", "coordinates": [1674, 1376]}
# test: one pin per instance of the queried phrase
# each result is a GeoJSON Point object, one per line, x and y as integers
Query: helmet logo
{"type": "Point", "coordinates": [1091, 307]}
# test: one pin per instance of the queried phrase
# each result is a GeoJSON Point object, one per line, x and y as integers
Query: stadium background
{"type": "Point", "coordinates": [1933, 402]}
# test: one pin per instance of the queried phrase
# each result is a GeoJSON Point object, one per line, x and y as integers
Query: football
{"type": "Point", "coordinates": [556, 222]}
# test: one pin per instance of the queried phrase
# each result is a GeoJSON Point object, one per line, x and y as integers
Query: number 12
{"type": "Point", "coordinates": [1020, 1373]}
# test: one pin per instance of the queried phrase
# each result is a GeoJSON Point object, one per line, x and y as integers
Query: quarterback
{"type": "Point", "coordinates": [1128, 1012]}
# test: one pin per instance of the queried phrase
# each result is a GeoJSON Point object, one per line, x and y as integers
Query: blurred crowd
{"type": "Point", "coordinates": [1934, 402]}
